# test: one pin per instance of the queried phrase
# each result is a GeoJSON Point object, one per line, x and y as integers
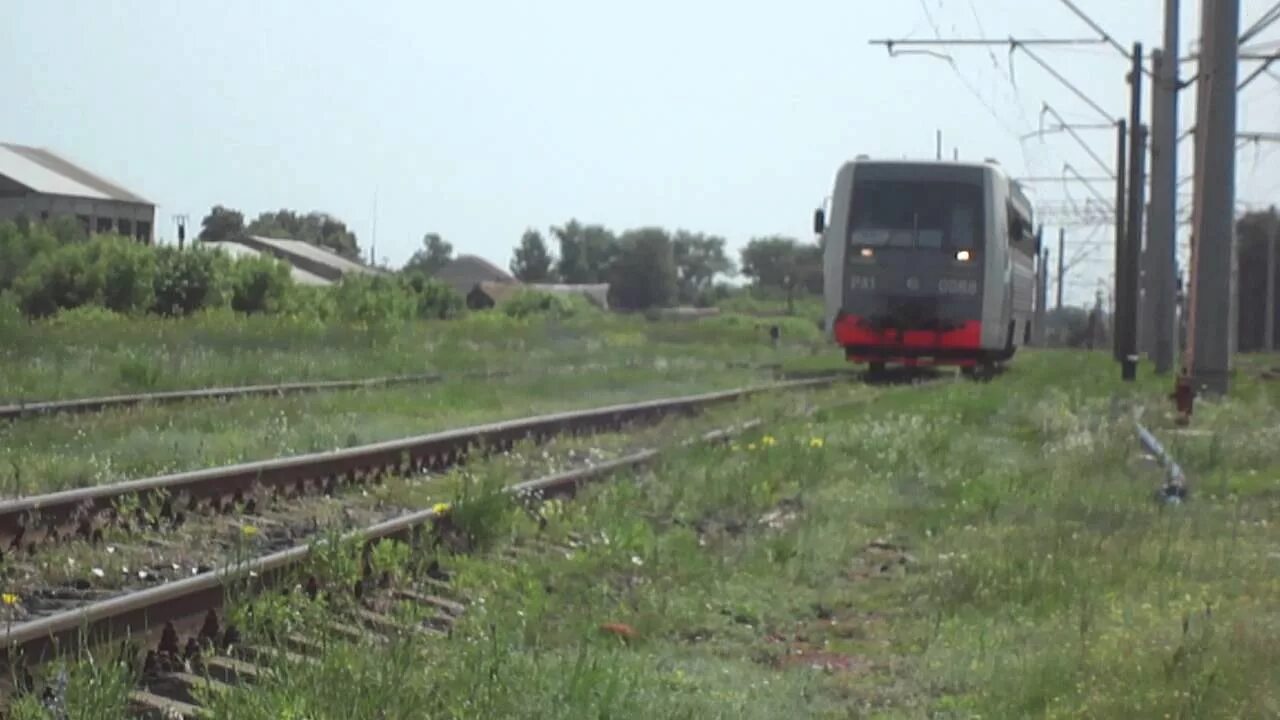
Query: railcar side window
{"type": "Point", "coordinates": [1019, 227]}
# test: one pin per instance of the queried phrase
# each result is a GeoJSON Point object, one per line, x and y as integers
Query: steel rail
{"type": "Point", "coordinates": [190, 607]}
{"type": "Point", "coordinates": [24, 410]}
{"type": "Point", "coordinates": [21, 410]}
{"type": "Point", "coordinates": [29, 520]}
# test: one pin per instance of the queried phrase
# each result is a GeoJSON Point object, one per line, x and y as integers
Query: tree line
{"type": "Point", "coordinates": [317, 228]}
{"type": "Point", "coordinates": [648, 266]}
{"type": "Point", "coordinates": [56, 265]}
{"type": "Point", "coordinates": [645, 267]}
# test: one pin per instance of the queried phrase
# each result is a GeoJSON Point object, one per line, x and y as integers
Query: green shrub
{"type": "Point", "coordinates": [435, 300]}
{"type": "Point", "coordinates": [124, 272]}
{"type": "Point", "coordinates": [57, 280]}
{"type": "Point", "coordinates": [188, 280]}
{"type": "Point", "coordinates": [528, 303]}
{"type": "Point", "coordinates": [310, 303]}
{"type": "Point", "coordinates": [86, 317]}
{"type": "Point", "coordinates": [19, 248]}
{"type": "Point", "coordinates": [259, 284]}
{"type": "Point", "coordinates": [373, 300]}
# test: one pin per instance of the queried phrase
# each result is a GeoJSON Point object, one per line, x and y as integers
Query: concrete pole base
{"type": "Point", "coordinates": [1129, 369]}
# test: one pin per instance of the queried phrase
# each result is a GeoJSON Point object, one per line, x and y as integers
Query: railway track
{"type": "Point", "coordinates": [28, 522]}
{"type": "Point", "coordinates": [178, 634]}
{"type": "Point", "coordinates": [180, 628]}
{"type": "Point", "coordinates": [44, 408]}
{"type": "Point", "coordinates": [178, 637]}
{"type": "Point", "coordinates": [23, 410]}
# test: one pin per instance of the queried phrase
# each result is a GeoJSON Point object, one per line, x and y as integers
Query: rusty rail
{"type": "Point", "coordinates": [25, 410]}
{"type": "Point", "coordinates": [191, 608]}
{"type": "Point", "coordinates": [17, 411]}
{"type": "Point", "coordinates": [48, 518]}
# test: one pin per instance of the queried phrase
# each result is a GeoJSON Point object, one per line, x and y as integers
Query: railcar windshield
{"type": "Point", "coordinates": [929, 215]}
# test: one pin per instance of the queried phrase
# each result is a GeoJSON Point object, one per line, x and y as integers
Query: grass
{"type": "Point", "coordinates": [957, 550]}
{"type": "Point", "coordinates": [59, 452]}
{"type": "Point", "coordinates": [91, 352]}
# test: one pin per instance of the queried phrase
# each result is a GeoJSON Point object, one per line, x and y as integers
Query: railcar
{"type": "Point", "coordinates": [928, 263]}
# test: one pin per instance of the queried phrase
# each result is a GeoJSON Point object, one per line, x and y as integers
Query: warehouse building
{"type": "Point", "coordinates": [38, 185]}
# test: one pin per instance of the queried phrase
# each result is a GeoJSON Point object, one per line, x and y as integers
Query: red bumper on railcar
{"type": "Point", "coordinates": [863, 343]}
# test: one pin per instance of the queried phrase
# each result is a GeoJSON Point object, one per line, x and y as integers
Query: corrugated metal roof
{"type": "Point", "coordinates": [464, 271]}
{"type": "Point", "coordinates": [234, 249]}
{"type": "Point", "coordinates": [316, 254]}
{"type": "Point", "coordinates": [45, 172]}
{"type": "Point", "coordinates": [499, 292]}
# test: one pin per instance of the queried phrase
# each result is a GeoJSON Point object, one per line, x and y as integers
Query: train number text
{"type": "Point", "coordinates": [954, 286]}
{"type": "Point", "coordinates": [862, 282]}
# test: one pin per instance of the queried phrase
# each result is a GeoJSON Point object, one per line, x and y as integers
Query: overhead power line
{"type": "Point", "coordinates": [1046, 109]}
{"type": "Point", "coordinates": [1268, 18]}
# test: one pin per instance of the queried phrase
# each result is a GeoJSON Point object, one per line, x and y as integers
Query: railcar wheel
{"type": "Point", "coordinates": [981, 372]}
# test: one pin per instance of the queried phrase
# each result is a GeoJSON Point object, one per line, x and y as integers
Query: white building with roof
{"type": "Point", "coordinates": [318, 261]}
{"type": "Point", "coordinates": [39, 185]}
{"type": "Point", "coordinates": [237, 250]}
{"type": "Point", "coordinates": [309, 264]}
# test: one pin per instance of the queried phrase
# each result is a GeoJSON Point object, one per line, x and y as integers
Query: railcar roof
{"type": "Point", "coordinates": [931, 163]}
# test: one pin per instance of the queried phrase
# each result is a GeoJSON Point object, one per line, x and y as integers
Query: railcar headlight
{"type": "Point", "coordinates": [963, 255]}
{"type": "Point", "coordinates": [867, 252]}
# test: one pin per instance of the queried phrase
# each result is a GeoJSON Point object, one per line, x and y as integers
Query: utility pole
{"type": "Point", "coordinates": [1062, 267]}
{"type": "Point", "coordinates": [181, 221]}
{"type": "Point", "coordinates": [939, 145]}
{"type": "Point", "coordinates": [373, 245]}
{"type": "Point", "coordinates": [1214, 221]}
{"type": "Point", "coordinates": [1042, 288]}
{"type": "Point", "coordinates": [1122, 199]}
{"type": "Point", "coordinates": [1146, 296]}
{"type": "Point", "coordinates": [1129, 251]}
{"type": "Point", "coordinates": [1269, 343]}
{"type": "Point", "coordinates": [1162, 228]}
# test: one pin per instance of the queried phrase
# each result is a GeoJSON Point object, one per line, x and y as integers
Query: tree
{"type": "Point", "coordinates": [20, 247]}
{"type": "Point", "coordinates": [699, 259]}
{"type": "Point", "coordinates": [783, 263]}
{"type": "Point", "coordinates": [435, 254]}
{"type": "Point", "coordinates": [586, 252]}
{"type": "Point", "coordinates": [316, 228]}
{"type": "Point", "coordinates": [222, 223]}
{"type": "Point", "coordinates": [532, 262]}
{"type": "Point", "coordinates": [643, 273]}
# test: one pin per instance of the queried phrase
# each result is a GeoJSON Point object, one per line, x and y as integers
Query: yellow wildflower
{"type": "Point", "coordinates": [248, 531]}
{"type": "Point", "coordinates": [816, 442]}
{"type": "Point", "coordinates": [768, 441]}
{"type": "Point", "coordinates": [440, 508]}
{"type": "Point", "coordinates": [9, 599]}
{"type": "Point", "coordinates": [752, 446]}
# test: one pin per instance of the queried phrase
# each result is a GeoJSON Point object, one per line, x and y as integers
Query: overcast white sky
{"type": "Point", "coordinates": [480, 119]}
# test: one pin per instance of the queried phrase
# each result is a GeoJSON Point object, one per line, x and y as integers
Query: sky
{"type": "Point", "coordinates": [479, 120]}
